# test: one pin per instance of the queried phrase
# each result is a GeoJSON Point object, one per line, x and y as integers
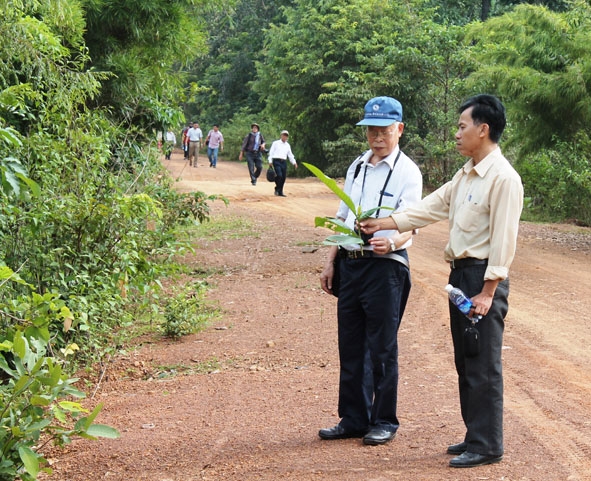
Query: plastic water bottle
{"type": "Point", "coordinates": [459, 299]}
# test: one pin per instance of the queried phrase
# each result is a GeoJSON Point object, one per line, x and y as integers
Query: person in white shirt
{"type": "Point", "coordinates": [194, 135]}
{"type": "Point", "coordinates": [278, 154]}
{"type": "Point", "coordinates": [374, 281]}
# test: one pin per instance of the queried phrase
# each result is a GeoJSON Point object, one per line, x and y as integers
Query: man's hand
{"type": "Point", "coordinates": [327, 273]}
{"type": "Point", "coordinates": [372, 225]}
{"type": "Point", "coordinates": [326, 277]}
{"type": "Point", "coordinates": [381, 245]}
{"type": "Point", "coordinates": [483, 301]}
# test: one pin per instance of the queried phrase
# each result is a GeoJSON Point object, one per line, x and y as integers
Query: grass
{"type": "Point", "coordinates": [226, 228]}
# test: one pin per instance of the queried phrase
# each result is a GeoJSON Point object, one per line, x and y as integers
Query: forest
{"type": "Point", "coordinates": [90, 222]}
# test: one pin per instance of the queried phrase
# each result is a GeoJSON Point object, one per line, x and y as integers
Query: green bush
{"type": "Point", "coordinates": [36, 407]}
{"type": "Point", "coordinates": [186, 312]}
{"type": "Point", "coordinates": [557, 182]}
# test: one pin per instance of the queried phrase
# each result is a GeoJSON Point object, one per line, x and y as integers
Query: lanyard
{"type": "Point", "coordinates": [385, 183]}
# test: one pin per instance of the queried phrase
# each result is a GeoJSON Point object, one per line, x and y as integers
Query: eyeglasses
{"type": "Point", "coordinates": [384, 134]}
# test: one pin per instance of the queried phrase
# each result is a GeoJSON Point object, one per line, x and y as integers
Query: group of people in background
{"type": "Point", "coordinates": [253, 146]}
{"type": "Point", "coordinates": [192, 141]}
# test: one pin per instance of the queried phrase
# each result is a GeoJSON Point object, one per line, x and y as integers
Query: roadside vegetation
{"type": "Point", "coordinates": [91, 225]}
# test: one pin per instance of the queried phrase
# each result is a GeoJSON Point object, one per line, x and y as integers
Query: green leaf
{"type": "Point", "coordinates": [40, 401]}
{"type": "Point", "coordinates": [72, 407]}
{"type": "Point", "coordinates": [103, 431]}
{"type": "Point", "coordinates": [30, 460]}
{"type": "Point", "coordinates": [19, 345]}
{"type": "Point", "coordinates": [334, 224]}
{"type": "Point", "coordinates": [342, 240]}
{"type": "Point", "coordinates": [332, 185]}
{"type": "Point", "coordinates": [368, 213]}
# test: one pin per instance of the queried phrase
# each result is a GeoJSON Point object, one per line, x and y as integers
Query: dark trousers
{"type": "Point", "coordinates": [255, 165]}
{"type": "Point", "coordinates": [480, 378]}
{"type": "Point", "coordinates": [280, 167]}
{"type": "Point", "coordinates": [372, 298]}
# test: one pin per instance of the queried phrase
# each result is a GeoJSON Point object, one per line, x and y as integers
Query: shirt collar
{"type": "Point", "coordinates": [484, 165]}
{"type": "Point", "coordinates": [390, 159]}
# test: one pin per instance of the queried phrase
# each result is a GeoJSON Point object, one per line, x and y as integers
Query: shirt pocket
{"type": "Point", "coordinates": [471, 217]}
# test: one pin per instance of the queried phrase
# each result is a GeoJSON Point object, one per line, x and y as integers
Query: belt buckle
{"type": "Point", "coordinates": [452, 263]}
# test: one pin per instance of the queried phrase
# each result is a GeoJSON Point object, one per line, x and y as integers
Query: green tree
{"type": "Point", "coordinates": [538, 61]}
{"type": "Point", "coordinates": [143, 46]}
{"type": "Point", "coordinates": [221, 79]}
{"type": "Point", "coordinates": [331, 57]}
{"type": "Point", "coordinates": [461, 12]}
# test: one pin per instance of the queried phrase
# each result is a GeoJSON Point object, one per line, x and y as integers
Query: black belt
{"type": "Point", "coordinates": [467, 262]}
{"type": "Point", "coordinates": [367, 254]}
{"type": "Point", "coordinates": [274, 158]}
{"type": "Point", "coordinates": [193, 141]}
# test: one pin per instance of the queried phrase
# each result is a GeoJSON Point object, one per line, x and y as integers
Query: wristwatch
{"type": "Point", "coordinates": [392, 245]}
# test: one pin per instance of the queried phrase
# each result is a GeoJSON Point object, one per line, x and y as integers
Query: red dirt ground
{"type": "Point", "coordinates": [255, 414]}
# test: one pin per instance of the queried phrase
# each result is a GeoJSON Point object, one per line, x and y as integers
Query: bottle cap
{"type": "Point", "coordinates": [448, 288]}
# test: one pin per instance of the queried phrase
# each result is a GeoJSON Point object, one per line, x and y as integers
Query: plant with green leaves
{"type": "Point", "coordinates": [185, 313]}
{"type": "Point", "coordinates": [37, 408]}
{"type": "Point", "coordinates": [346, 235]}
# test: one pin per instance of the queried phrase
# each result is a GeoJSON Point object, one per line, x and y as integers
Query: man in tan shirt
{"type": "Point", "coordinates": [483, 203]}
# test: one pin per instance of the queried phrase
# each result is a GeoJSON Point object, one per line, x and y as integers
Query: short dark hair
{"type": "Point", "coordinates": [488, 109]}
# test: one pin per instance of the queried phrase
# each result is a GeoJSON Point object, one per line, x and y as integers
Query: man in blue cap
{"type": "Point", "coordinates": [483, 203]}
{"type": "Point", "coordinates": [374, 281]}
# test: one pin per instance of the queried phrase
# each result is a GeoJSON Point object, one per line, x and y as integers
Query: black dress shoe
{"type": "Point", "coordinates": [457, 448]}
{"type": "Point", "coordinates": [470, 460]}
{"type": "Point", "coordinates": [282, 195]}
{"type": "Point", "coordinates": [339, 432]}
{"type": "Point", "coordinates": [378, 436]}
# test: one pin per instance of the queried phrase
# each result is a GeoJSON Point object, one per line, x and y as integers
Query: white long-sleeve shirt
{"type": "Point", "coordinates": [281, 150]}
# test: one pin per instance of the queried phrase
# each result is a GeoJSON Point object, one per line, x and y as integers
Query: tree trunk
{"type": "Point", "coordinates": [485, 9]}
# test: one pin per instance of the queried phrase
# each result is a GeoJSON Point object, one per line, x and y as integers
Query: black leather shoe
{"type": "Point", "coordinates": [378, 436]}
{"type": "Point", "coordinates": [470, 460]}
{"type": "Point", "coordinates": [282, 195]}
{"type": "Point", "coordinates": [339, 432]}
{"type": "Point", "coordinates": [457, 448]}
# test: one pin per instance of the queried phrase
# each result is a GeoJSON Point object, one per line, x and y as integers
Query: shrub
{"type": "Point", "coordinates": [185, 313]}
{"type": "Point", "coordinates": [36, 407]}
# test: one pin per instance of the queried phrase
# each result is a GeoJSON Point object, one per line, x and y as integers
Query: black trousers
{"type": "Point", "coordinates": [372, 299]}
{"type": "Point", "coordinates": [255, 164]}
{"type": "Point", "coordinates": [280, 167]}
{"type": "Point", "coordinates": [480, 378]}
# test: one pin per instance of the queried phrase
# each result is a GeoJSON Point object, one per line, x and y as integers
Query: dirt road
{"type": "Point", "coordinates": [254, 415]}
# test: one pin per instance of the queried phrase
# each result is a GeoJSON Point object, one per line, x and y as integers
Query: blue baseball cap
{"type": "Point", "coordinates": [381, 112]}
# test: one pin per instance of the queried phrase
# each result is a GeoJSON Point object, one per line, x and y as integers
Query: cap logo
{"type": "Point", "coordinates": [376, 107]}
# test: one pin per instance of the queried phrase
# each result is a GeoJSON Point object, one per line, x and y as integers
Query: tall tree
{"type": "Point", "coordinates": [332, 56]}
{"type": "Point", "coordinates": [139, 43]}
{"type": "Point", "coordinates": [539, 62]}
{"type": "Point", "coordinates": [222, 78]}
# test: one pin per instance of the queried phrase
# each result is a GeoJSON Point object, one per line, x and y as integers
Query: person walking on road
{"type": "Point", "coordinates": [253, 144]}
{"type": "Point", "coordinates": [279, 153]}
{"type": "Point", "coordinates": [185, 140]}
{"type": "Point", "coordinates": [194, 136]}
{"type": "Point", "coordinates": [169, 144]}
{"type": "Point", "coordinates": [215, 142]}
